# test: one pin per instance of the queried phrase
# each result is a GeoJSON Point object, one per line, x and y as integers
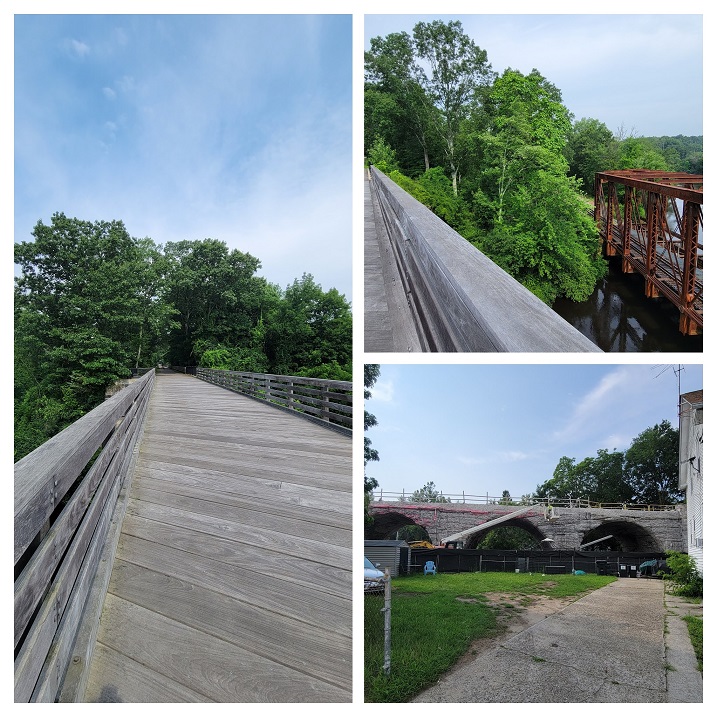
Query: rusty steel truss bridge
{"type": "Point", "coordinates": [653, 220]}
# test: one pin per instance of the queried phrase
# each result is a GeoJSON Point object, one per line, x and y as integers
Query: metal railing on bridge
{"type": "Point", "coordinates": [383, 496]}
{"type": "Point", "coordinates": [66, 493]}
{"type": "Point", "coordinates": [323, 401]}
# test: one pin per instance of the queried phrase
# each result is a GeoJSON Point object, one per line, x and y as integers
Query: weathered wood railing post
{"type": "Point", "coordinates": [325, 403]}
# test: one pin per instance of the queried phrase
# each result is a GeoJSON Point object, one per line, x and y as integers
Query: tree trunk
{"type": "Point", "coordinates": [139, 348]}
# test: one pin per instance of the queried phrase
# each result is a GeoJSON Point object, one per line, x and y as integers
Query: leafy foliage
{"type": "Point", "coordinates": [646, 473]}
{"type": "Point", "coordinates": [428, 494]}
{"type": "Point", "coordinates": [684, 577]}
{"type": "Point", "coordinates": [371, 372]}
{"type": "Point", "coordinates": [508, 538]}
{"type": "Point", "coordinates": [652, 465]}
{"type": "Point", "coordinates": [499, 158]}
{"type": "Point", "coordinates": [91, 301]}
{"type": "Point", "coordinates": [86, 309]}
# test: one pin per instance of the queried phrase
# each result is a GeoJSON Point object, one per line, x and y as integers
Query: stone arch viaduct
{"type": "Point", "coordinates": [635, 530]}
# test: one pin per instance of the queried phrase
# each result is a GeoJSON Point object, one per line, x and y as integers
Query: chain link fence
{"type": "Point", "coordinates": [377, 628]}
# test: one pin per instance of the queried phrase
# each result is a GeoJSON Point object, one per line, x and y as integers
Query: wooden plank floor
{"type": "Point", "coordinates": [232, 579]}
{"type": "Point", "coordinates": [389, 325]}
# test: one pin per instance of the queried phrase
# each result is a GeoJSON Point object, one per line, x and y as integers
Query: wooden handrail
{"type": "Point", "coordinates": [460, 299]}
{"type": "Point", "coordinates": [65, 493]}
{"type": "Point", "coordinates": [324, 401]}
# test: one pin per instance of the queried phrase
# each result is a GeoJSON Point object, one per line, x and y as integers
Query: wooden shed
{"type": "Point", "coordinates": [392, 554]}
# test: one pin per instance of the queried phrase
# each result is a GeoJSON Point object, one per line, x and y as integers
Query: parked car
{"type": "Point", "coordinates": [373, 578]}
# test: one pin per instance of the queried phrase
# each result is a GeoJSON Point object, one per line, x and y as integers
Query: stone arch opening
{"type": "Point", "coordinates": [386, 525]}
{"type": "Point", "coordinates": [520, 523]}
{"type": "Point", "coordinates": [626, 536]}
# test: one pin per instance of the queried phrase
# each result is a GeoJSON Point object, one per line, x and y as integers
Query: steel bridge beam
{"type": "Point", "coordinates": [631, 212]}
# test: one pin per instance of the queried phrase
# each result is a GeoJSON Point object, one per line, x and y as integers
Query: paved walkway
{"type": "Point", "coordinates": [606, 647]}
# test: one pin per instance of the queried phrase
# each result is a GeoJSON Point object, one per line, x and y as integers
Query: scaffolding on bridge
{"type": "Point", "coordinates": [653, 220]}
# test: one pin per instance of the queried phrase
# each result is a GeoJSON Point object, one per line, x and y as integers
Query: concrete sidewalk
{"type": "Point", "coordinates": [609, 646]}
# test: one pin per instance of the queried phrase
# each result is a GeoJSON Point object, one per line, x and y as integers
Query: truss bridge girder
{"type": "Point", "coordinates": [653, 220]}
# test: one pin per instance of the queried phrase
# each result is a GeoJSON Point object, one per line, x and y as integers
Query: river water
{"type": "Point", "coordinates": [619, 317]}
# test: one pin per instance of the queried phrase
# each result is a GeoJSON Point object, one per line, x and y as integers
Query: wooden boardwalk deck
{"type": "Point", "coordinates": [388, 320]}
{"type": "Point", "coordinates": [232, 579]}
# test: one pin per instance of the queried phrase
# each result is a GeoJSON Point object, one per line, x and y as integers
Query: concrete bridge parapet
{"type": "Point", "coordinates": [567, 528]}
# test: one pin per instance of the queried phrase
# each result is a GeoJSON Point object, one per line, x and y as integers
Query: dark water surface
{"type": "Point", "coordinates": [619, 317]}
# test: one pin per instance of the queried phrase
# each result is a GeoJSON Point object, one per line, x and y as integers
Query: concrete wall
{"type": "Point", "coordinates": [466, 302]}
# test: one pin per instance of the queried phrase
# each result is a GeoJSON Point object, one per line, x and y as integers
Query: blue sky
{"type": "Point", "coordinates": [233, 127]}
{"type": "Point", "coordinates": [487, 428]}
{"type": "Point", "coordinates": [641, 72]}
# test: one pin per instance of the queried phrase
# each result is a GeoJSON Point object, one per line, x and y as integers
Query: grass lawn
{"type": "Point", "coordinates": [694, 627]}
{"type": "Point", "coordinates": [435, 618]}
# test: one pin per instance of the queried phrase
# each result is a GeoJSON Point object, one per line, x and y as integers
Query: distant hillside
{"type": "Point", "coordinates": [683, 154]}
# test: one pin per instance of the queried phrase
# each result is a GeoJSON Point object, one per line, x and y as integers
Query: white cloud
{"type": "Point", "coordinates": [109, 93]}
{"type": "Point", "coordinates": [610, 388]}
{"type": "Point", "coordinates": [79, 48]}
{"type": "Point", "coordinates": [382, 391]}
{"type": "Point", "coordinates": [126, 83]}
{"type": "Point", "coordinates": [514, 456]}
{"type": "Point", "coordinates": [499, 457]}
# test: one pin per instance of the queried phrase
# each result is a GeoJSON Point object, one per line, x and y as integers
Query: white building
{"type": "Point", "coordinates": [691, 469]}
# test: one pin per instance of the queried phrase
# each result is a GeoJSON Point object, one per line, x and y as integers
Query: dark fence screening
{"type": "Point", "coordinates": [554, 562]}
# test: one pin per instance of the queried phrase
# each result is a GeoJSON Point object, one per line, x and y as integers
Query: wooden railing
{"type": "Point", "coordinates": [65, 495]}
{"type": "Point", "coordinates": [326, 402]}
{"type": "Point", "coordinates": [460, 299]}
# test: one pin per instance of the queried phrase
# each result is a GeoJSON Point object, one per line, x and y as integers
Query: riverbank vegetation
{"type": "Point", "coordinates": [91, 302]}
{"type": "Point", "coordinates": [499, 158]}
{"type": "Point", "coordinates": [435, 619]}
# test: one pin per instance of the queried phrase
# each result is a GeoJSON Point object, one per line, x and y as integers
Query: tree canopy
{"type": "Point", "coordinates": [647, 472]}
{"type": "Point", "coordinates": [91, 302]}
{"type": "Point", "coordinates": [499, 158]}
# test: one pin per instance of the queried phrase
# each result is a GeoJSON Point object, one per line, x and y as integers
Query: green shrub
{"type": "Point", "coordinates": [381, 156]}
{"type": "Point", "coordinates": [684, 576]}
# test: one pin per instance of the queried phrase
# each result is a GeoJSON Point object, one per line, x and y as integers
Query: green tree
{"type": "Point", "coordinates": [413, 532]}
{"type": "Point", "coordinates": [636, 153]}
{"type": "Point", "coordinates": [371, 372]}
{"type": "Point", "coordinates": [684, 577]}
{"type": "Point", "coordinates": [458, 69]}
{"type": "Point", "coordinates": [429, 494]}
{"type": "Point", "coordinates": [505, 498]}
{"type": "Point", "coordinates": [86, 307]}
{"type": "Point", "coordinates": [381, 156]}
{"type": "Point", "coordinates": [652, 465]}
{"type": "Point", "coordinates": [396, 107]}
{"type": "Point", "coordinates": [507, 538]}
{"type": "Point", "coordinates": [310, 330]}
{"type": "Point", "coordinates": [538, 226]}
{"type": "Point", "coordinates": [590, 148]}
{"type": "Point", "coordinates": [602, 477]}
{"type": "Point", "coordinates": [564, 482]}
{"type": "Point", "coordinates": [218, 298]}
